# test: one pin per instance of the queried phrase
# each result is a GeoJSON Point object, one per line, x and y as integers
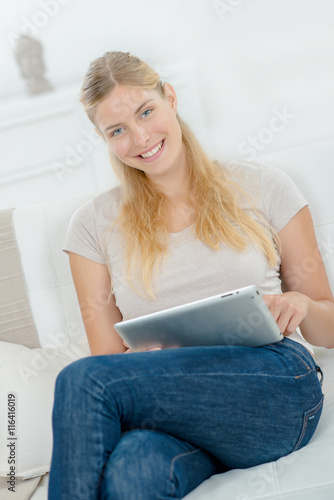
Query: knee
{"type": "Point", "coordinates": [148, 465]}
{"type": "Point", "coordinates": [92, 369]}
{"type": "Point", "coordinates": [138, 468]}
{"type": "Point", "coordinates": [72, 374]}
{"type": "Point", "coordinates": [74, 385]}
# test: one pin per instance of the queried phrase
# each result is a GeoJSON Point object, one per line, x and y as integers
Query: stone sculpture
{"type": "Point", "coordinates": [29, 55]}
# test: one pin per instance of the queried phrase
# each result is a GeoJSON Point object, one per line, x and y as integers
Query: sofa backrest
{"type": "Point", "coordinates": [40, 233]}
{"type": "Point", "coordinates": [41, 229]}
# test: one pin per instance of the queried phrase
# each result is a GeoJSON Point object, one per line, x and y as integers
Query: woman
{"type": "Point", "coordinates": [156, 424]}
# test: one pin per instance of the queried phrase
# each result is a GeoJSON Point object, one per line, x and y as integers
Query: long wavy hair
{"type": "Point", "coordinates": [143, 214]}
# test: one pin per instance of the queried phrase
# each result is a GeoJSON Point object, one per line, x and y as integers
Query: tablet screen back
{"type": "Point", "coordinates": [239, 317]}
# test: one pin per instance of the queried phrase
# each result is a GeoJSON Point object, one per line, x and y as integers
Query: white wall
{"type": "Point", "coordinates": [253, 76]}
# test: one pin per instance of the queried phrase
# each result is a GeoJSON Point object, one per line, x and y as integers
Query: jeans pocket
{"type": "Point", "coordinates": [309, 425]}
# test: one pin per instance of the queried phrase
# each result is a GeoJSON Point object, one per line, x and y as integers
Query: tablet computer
{"type": "Point", "coordinates": [238, 317]}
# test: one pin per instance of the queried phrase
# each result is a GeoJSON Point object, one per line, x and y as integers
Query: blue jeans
{"type": "Point", "coordinates": [154, 425]}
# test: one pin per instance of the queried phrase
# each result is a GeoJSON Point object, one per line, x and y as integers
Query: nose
{"type": "Point", "coordinates": [140, 136]}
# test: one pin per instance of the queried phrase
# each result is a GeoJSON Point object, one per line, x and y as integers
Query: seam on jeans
{"type": "Point", "coordinates": [303, 352]}
{"type": "Point", "coordinates": [304, 374]}
{"type": "Point", "coordinates": [299, 357]}
{"type": "Point", "coordinates": [297, 346]}
{"type": "Point", "coordinates": [230, 374]}
{"type": "Point", "coordinates": [233, 374]}
{"type": "Point", "coordinates": [193, 375]}
{"type": "Point", "coordinates": [306, 417]}
{"type": "Point", "coordinates": [173, 464]}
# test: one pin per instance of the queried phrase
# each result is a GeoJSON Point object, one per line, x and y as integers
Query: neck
{"type": "Point", "coordinates": [174, 183]}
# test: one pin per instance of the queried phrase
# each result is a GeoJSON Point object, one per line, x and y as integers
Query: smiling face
{"type": "Point", "coordinates": [141, 128]}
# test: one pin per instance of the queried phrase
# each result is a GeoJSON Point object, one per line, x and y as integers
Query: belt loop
{"type": "Point", "coordinates": [322, 375]}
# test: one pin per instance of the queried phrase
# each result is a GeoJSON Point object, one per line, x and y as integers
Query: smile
{"type": "Point", "coordinates": [153, 152]}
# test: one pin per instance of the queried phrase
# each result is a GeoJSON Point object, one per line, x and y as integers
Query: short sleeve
{"type": "Point", "coordinates": [281, 198]}
{"type": "Point", "coordinates": [82, 234]}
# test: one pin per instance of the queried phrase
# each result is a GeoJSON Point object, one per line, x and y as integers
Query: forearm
{"type": "Point", "coordinates": [318, 325]}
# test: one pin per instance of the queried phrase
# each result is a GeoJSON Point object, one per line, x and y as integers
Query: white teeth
{"type": "Point", "coordinates": [153, 151]}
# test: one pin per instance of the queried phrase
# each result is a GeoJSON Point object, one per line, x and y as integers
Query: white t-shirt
{"type": "Point", "coordinates": [192, 270]}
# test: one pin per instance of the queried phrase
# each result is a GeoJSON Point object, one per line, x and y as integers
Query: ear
{"type": "Point", "coordinates": [170, 95]}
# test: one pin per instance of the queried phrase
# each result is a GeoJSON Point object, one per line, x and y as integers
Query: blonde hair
{"type": "Point", "coordinates": [143, 215]}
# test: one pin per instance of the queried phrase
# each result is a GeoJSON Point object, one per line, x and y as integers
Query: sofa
{"type": "Point", "coordinates": [49, 334]}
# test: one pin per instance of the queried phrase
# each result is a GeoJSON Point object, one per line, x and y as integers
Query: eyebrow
{"type": "Point", "coordinates": [137, 111]}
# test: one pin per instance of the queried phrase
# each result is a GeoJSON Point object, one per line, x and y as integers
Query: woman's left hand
{"type": "Point", "coordinates": [288, 309]}
{"type": "Point", "coordinates": [128, 350]}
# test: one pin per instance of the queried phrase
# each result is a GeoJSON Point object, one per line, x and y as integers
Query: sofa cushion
{"type": "Point", "coordinates": [16, 322]}
{"type": "Point", "coordinates": [40, 232]}
{"type": "Point", "coordinates": [27, 386]}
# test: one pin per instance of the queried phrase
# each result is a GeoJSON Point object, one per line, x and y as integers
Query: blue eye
{"type": "Point", "coordinates": [115, 131]}
{"type": "Point", "coordinates": [118, 130]}
{"type": "Point", "coordinates": [147, 111]}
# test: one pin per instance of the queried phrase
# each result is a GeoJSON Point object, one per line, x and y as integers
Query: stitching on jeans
{"type": "Point", "coordinates": [104, 386]}
{"type": "Point", "coordinates": [304, 374]}
{"type": "Point", "coordinates": [193, 375]}
{"type": "Point", "coordinates": [173, 463]}
{"type": "Point", "coordinates": [316, 409]}
{"type": "Point", "coordinates": [297, 355]}
{"type": "Point", "coordinates": [305, 420]}
{"type": "Point", "coordinates": [297, 348]}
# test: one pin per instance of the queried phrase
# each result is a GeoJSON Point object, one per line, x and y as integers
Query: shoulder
{"type": "Point", "coordinates": [242, 172]}
{"type": "Point", "coordinates": [258, 178]}
{"type": "Point", "coordinates": [100, 209]}
{"type": "Point", "coordinates": [271, 190]}
{"type": "Point", "coordinates": [88, 223]}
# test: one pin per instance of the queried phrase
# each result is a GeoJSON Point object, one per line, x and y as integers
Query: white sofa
{"type": "Point", "coordinates": [31, 373]}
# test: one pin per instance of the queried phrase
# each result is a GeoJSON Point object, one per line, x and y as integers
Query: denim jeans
{"type": "Point", "coordinates": [154, 425]}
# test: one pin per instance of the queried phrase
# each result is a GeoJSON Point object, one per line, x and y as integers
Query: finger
{"type": "Point", "coordinates": [272, 306]}
{"type": "Point", "coordinates": [286, 313]}
{"type": "Point", "coordinates": [290, 319]}
{"type": "Point", "coordinates": [283, 321]}
{"type": "Point", "coordinates": [294, 323]}
{"type": "Point", "coordinates": [280, 311]}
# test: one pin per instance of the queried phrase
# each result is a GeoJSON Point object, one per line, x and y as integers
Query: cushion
{"type": "Point", "coordinates": [27, 379]}
{"type": "Point", "coordinates": [310, 166]}
{"type": "Point", "coordinates": [40, 232]}
{"type": "Point", "coordinates": [16, 322]}
{"type": "Point", "coordinates": [20, 489]}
